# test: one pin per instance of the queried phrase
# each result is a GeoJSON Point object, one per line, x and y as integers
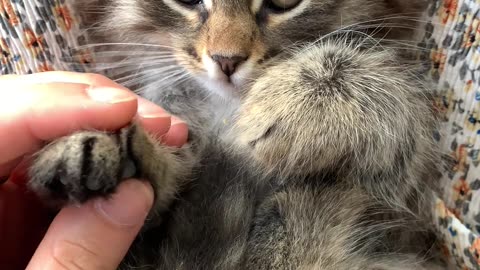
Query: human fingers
{"type": "Point", "coordinates": [34, 111]}
{"type": "Point", "coordinates": [97, 234]}
{"type": "Point", "coordinates": [170, 131]}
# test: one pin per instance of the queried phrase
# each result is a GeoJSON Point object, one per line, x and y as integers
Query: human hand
{"type": "Point", "coordinates": [38, 108]}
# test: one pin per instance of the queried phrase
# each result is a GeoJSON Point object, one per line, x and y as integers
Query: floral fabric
{"type": "Point", "coordinates": [43, 35]}
{"type": "Point", "coordinates": [39, 35]}
{"type": "Point", "coordinates": [452, 42]}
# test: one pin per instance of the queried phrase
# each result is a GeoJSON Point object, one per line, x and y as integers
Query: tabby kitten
{"type": "Point", "coordinates": [310, 134]}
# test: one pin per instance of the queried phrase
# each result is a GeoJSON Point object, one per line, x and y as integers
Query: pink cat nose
{"type": "Point", "coordinates": [228, 64]}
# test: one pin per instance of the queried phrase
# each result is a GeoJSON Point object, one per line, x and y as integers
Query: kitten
{"type": "Point", "coordinates": [310, 140]}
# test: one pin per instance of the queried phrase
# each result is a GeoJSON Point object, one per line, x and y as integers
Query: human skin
{"type": "Point", "coordinates": [36, 109]}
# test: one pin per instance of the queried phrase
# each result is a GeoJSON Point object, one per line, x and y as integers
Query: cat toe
{"type": "Point", "coordinates": [77, 168]}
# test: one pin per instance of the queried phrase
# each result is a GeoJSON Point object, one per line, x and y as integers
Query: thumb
{"type": "Point", "coordinates": [97, 234]}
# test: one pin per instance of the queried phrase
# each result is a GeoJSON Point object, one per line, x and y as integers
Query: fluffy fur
{"type": "Point", "coordinates": [315, 153]}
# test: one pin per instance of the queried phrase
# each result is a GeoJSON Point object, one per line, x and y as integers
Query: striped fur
{"type": "Point", "coordinates": [310, 142]}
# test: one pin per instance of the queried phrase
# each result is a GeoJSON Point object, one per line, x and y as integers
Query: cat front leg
{"type": "Point", "coordinates": [87, 164]}
{"type": "Point", "coordinates": [345, 109]}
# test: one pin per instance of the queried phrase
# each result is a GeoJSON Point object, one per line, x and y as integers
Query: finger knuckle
{"type": "Point", "coordinates": [71, 255]}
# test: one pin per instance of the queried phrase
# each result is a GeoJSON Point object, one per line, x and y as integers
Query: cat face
{"type": "Point", "coordinates": [225, 44]}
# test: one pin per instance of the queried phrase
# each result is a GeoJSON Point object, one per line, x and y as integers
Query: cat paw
{"type": "Point", "coordinates": [78, 167]}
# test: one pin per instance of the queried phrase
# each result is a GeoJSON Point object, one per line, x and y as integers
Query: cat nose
{"type": "Point", "coordinates": [228, 64]}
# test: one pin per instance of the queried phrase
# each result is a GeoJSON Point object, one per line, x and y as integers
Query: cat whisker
{"type": "Point", "coordinates": [164, 74]}
{"type": "Point", "coordinates": [97, 45]}
{"type": "Point", "coordinates": [134, 62]}
{"type": "Point", "coordinates": [132, 53]}
{"type": "Point", "coordinates": [139, 75]}
{"type": "Point", "coordinates": [164, 81]}
{"type": "Point", "coordinates": [145, 75]}
{"type": "Point", "coordinates": [385, 19]}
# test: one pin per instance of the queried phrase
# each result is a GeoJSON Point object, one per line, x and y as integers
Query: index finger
{"type": "Point", "coordinates": [35, 109]}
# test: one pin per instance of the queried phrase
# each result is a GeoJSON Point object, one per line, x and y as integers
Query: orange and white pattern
{"type": "Point", "coordinates": [452, 41]}
{"type": "Point", "coordinates": [38, 36]}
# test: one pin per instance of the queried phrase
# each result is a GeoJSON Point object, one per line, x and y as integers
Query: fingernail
{"type": "Point", "coordinates": [151, 110]}
{"type": "Point", "coordinates": [177, 121]}
{"type": "Point", "coordinates": [154, 115]}
{"type": "Point", "coordinates": [110, 95]}
{"type": "Point", "coordinates": [129, 206]}
{"type": "Point", "coordinates": [156, 126]}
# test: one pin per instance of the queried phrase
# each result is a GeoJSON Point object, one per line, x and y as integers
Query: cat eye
{"type": "Point", "coordinates": [190, 2]}
{"type": "Point", "coordinates": [282, 5]}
